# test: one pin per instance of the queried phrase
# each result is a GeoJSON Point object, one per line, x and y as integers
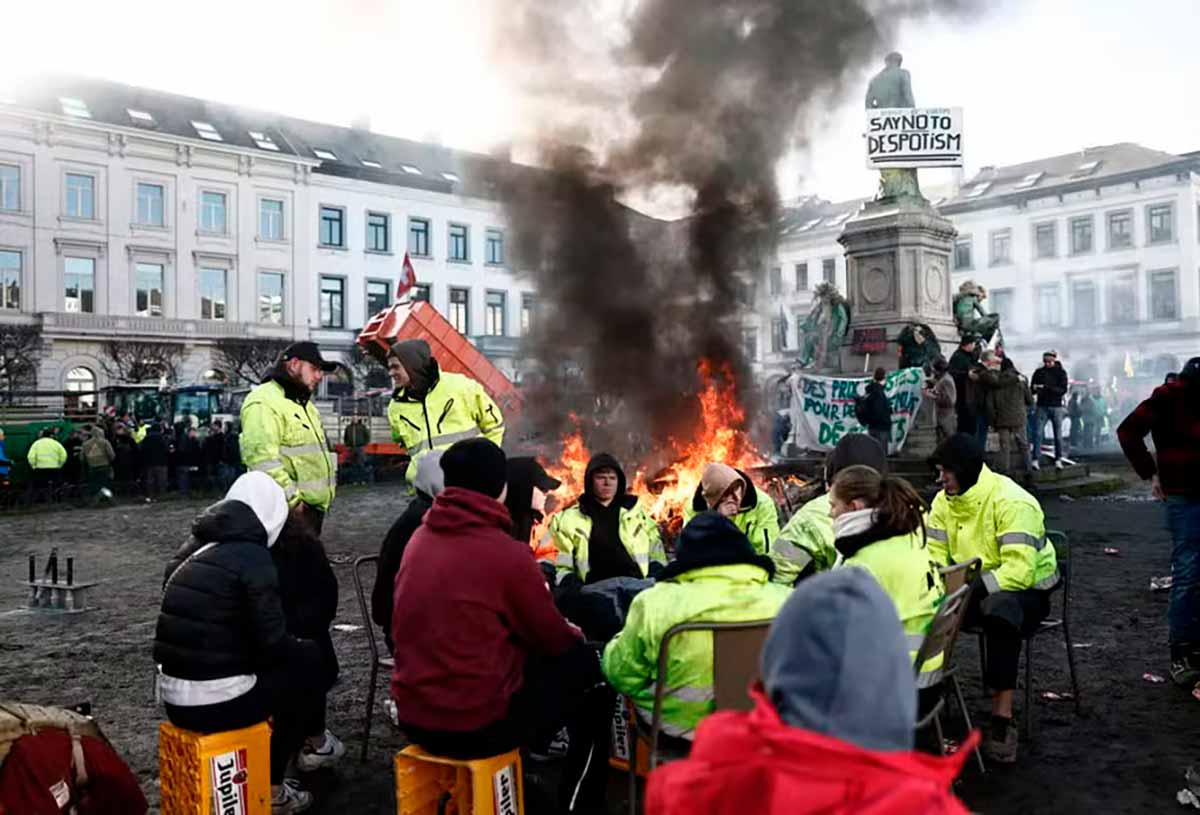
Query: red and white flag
{"type": "Point", "coordinates": [408, 278]}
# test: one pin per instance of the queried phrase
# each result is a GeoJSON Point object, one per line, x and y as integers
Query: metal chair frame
{"type": "Point", "coordinates": [377, 661]}
{"type": "Point", "coordinates": [741, 642]}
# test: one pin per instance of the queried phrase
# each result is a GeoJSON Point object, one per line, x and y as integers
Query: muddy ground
{"type": "Point", "coordinates": [1124, 754]}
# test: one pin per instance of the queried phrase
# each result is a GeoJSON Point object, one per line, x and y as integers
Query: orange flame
{"type": "Point", "coordinates": [721, 436]}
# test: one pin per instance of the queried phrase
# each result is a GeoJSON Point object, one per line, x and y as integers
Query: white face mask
{"type": "Point", "coordinates": [853, 522]}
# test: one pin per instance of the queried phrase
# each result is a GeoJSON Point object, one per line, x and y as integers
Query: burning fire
{"type": "Point", "coordinates": [721, 437]}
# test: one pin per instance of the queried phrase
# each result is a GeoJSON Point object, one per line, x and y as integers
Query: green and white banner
{"type": "Point", "coordinates": [823, 407]}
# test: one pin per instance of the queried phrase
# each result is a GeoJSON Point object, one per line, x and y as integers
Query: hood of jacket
{"type": "Point", "coordinates": [836, 662]}
{"type": "Point", "coordinates": [855, 448]}
{"type": "Point", "coordinates": [711, 539]}
{"type": "Point", "coordinates": [962, 455]}
{"type": "Point", "coordinates": [969, 503]}
{"type": "Point", "coordinates": [601, 461]}
{"type": "Point", "coordinates": [457, 510]}
{"type": "Point", "coordinates": [266, 500]}
{"type": "Point", "coordinates": [227, 521]}
{"type": "Point", "coordinates": [749, 497]}
{"type": "Point", "coordinates": [422, 369]}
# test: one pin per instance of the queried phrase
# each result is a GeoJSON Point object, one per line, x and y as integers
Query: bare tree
{"type": "Point", "coordinates": [20, 352]}
{"type": "Point", "coordinates": [247, 361]}
{"type": "Point", "coordinates": [141, 361]}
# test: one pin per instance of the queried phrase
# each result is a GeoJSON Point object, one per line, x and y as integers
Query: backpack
{"type": "Point", "coordinates": [57, 761]}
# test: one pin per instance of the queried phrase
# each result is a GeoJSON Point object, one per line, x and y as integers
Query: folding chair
{"type": "Point", "coordinates": [736, 647]}
{"type": "Point", "coordinates": [943, 631]}
{"type": "Point", "coordinates": [377, 660]}
{"type": "Point", "coordinates": [1062, 549]}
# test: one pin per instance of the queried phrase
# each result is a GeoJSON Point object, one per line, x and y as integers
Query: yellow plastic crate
{"type": "Point", "coordinates": [433, 785]}
{"type": "Point", "coordinates": [215, 773]}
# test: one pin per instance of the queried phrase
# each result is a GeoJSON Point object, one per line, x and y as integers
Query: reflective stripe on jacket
{"type": "Point", "coordinates": [759, 520]}
{"type": "Point", "coordinates": [1002, 525]}
{"type": "Point", "coordinates": [806, 538]}
{"type": "Point", "coordinates": [286, 440]}
{"type": "Point", "coordinates": [736, 593]}
{"type": "Point", "coordinates": [570, 530]}
{"type": "Point", "coordinates": [46, 454]}
{"type": "Point", "coordinates": [456, 408]}
{"type": "Point", "coordinates": [903, 568]}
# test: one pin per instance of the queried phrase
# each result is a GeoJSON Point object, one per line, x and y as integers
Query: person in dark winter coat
{"type": "Point", "coordinates": [428, 485]}
{"type": "Point", "coordinates": [528, 486]}
{"type": "Point", "coordinates": [213, 450]}
{"type": "Point", "coordinates": [127, 466]}
{"type": "Point", "coordinates": [156, 456]}
{"type": "Point", "coordinates": [1008, 399]}
{"type": "Point", "coordinates": [962, 362]}
{"type": "Point", "coordinates": [187, 461]}
{"type": "Point", "coordinates": [1050, 386]}
{"type": "Point", "coordinates": [876, 414]}
{"type": "Point", "coordinates": [225, 659]}
{"type": "Point", "coordinates": [484, 662]}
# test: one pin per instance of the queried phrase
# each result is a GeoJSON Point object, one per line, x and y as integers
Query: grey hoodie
{"type": "Point", "coordinates": [836, 662]}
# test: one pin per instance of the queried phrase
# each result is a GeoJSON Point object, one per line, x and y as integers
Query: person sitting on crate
{"type": "Point", "coordinates": [484, 662]}
{"type": "Point", "coordinates": [225, 658]}
{"type": "Point", "coordinates": [731, 492]}
{"type": "Point", "coordinates": [716, 576]}
{"type": "Point", "coordinates": [832, 726]}
{"type": "Point", "coordinates": [431, 409]}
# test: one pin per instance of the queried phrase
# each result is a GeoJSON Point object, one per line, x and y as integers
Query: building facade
{"type": "Point", "coordinates": [1094, 254]}
{"type": "Point", "coordinates": [139, 215]}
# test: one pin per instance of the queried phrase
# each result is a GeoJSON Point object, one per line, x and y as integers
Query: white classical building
{"type": "Point", "coordinates": [128, 213]}
{"type": "Point", "coordinates": [1094, 254]}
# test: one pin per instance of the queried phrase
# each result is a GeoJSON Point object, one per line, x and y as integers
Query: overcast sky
{"type": "Point", "coordinates": [1035, 78]}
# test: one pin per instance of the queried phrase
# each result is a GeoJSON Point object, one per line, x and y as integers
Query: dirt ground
{"type": "Point", "coordinates": [1124, 754]}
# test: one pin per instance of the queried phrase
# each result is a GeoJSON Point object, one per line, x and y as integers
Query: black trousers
{"type": "Point", "coordinates": [1006, 617]}
{"type": "Point", "coordinates": [292, 699]}
{"type": "Point", "coordinates": [565, 691]}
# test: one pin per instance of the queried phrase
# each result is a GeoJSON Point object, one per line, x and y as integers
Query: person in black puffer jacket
{"type": "Point", "coordinates": [225, 658]}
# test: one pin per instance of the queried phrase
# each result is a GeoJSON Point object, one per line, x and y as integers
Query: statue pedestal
{"type": "Point", "coordinates": [898, 273]}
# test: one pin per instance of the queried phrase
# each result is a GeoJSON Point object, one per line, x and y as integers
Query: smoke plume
{"type": "Point", "coordinates": [680, 100]}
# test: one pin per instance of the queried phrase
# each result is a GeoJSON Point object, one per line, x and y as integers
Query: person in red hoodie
{"type": "Point", "coordinates": [484, 661]}
{"type": "Point", "coordinates": [832, 727]}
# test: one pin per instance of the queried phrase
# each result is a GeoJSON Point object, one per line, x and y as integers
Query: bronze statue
{"type": "Point", "coordinates": [892, 88]}
{"type": "Point", "coordinates": [824, 329]}
{"type": "Point", "coordinates": [918, 346]}
{"type": "Point", "coordinates": [969, 314]}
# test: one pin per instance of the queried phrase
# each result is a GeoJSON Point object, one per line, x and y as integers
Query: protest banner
{"type": "Point", "coordinates": [823, 407]}
{"type": "Point", "coordinates": [914, 137]}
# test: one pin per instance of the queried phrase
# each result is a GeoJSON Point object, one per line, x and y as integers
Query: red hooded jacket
{"type": "Point", "coordinates": [470, 605]}
{"type": "Point", "coordinates": [754, 762]}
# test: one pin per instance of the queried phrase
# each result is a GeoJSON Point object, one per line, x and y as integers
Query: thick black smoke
{"type": "Point", "coordinates": [699, 97]}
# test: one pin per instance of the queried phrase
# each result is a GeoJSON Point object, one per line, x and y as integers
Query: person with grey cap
{"type": "Point", "coordinates": [832, 729]}
{"type": "Point", "coordinates": [432, 409]}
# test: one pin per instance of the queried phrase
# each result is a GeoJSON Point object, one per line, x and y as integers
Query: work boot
{"type": "Point", "coordinates": [314, 758]}
{"type": "Point", "coordinates": [1037, 468]}
{"type": "Point", "coordinates": [1059, 464]}
{"type": "Point", "coordinates": [290, 799]}
{"type": "Point", "coordinates": [1001, 744]}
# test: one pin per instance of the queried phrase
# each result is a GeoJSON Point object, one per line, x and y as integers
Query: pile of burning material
{"type": "Point", "coordinates": [666, 481]}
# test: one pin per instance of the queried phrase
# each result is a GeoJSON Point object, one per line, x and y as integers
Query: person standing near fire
{"type": "Point", "coordinates": [432, 409]}
{"type": "Point", "coordinates": [731, 492]}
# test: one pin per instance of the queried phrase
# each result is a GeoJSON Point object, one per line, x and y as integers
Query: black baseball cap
{"type": "Point", "coordinates": [308, 352]}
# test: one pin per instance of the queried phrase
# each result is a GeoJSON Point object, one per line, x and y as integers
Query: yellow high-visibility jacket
{"type": "Point", "coordinates": [806, 538]}
{"type": "Point", "coordinates": [455, 408]}
{"type": "Point", "coordinates": [284, 438]}
{"type": "Point", "coordinates": [46, 454]}
{"type": "Point", "coordinates": [570, 530]}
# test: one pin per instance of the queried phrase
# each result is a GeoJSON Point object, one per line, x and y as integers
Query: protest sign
{"type": "Point", "coordinates": [914, 137]}
{"type": "Point", "coordinates": [823, 407]}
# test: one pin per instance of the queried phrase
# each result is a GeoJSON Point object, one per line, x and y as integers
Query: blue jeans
{"type": "Point", "coordinates": [1048, 414]}
{"type": "Point", "coordinates": [1183, 609]}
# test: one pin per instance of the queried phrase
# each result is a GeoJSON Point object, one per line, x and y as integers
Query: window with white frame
{"type": "Point", "coordinates": [801, 276]}
{"type": "Point", "coordinates": [379, 296]}
{"type": "Point", "coordinates": [270, 219]}
{"type": "Point", "coordinates": [418, 237]}
{"type": "Point", "coordinates": [10, 187]}
{"type": "Point", "coordinates": [460, 310]}
{"type": "Point", "coordinates": [1001, 244]}
{"type": "Point", "coordinates": [459, 242]}
{"type": "Point", "coordinates": [962, 252]}
{"type": "Point", "coordinates": [1160, 223]}
{"type": "Point", "coordinates": [333, 227]}
{"type": "Point", "coordinates": [1122, 299]}
{"type": "Point", "coordinates": [778, 334]}
{"type": "Point", "coordinates": [148, 290]}
{"type": "Point", "coordinates": [333, 302]}
{"type": "Point", "coordinates": [10, 279]}
{"type": "Point", "coordinates": [494, 314]}
{"type": "Point", "coordinates": [421, 293]}
{"type": "Point", "coordinates": [270, 297]}
{"type": "Point", "coordinates": [528, 308]}
{"type": "Point", "coordinates": [1085, 312]}
{"type": "Point", "coordinates": [150, 204]}
{"type": "Point", "coordinates": [1049, 306]}
{"type": "Point", "coordinates": [213, 218]}
{"type": "Point", "coordinates": [214, 293]}
{"type": "Point", "coordinates": [79, 285]}
{"type": "Point", "coordinates": [81, 381]}
{"type": "Point", "coordinates": [1164, 295]}
{"type": "Point", "coordinates": [81, 196]}
{"type": "Point", "coordinates": [1001, 301]}
{"type": "Point", "coordinates": [750, 344]}
{"type": "Point", "coordinates": [829, 270]}
{"type": "Point", "coordinates": [495, 247]}
{"type": "Point", "coordinates": [1082, 239]}
{"type": "Point", "coordinates": [775, 281]}
{"type": "Point", "coordinates": [1045, 239]}
{"type": "Point", "coordinates": [1120, 229]}
{"type": "Point", "coordinates": [379, 232]}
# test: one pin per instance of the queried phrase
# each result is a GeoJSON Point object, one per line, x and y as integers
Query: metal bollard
{"type": "Point", "coordinates": [70, 571]}
{"type": "Point", "coordinates": [32, 568]}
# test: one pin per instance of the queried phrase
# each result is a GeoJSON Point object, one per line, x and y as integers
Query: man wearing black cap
{"type": "Point", "coordinates": [981, 514]}
{"type": "Point", "coordinates": [282, 433]}
{"type": "Point", "coordinates": [1172, 418]}
{"type": "Point", "coordinates": [484, 662]}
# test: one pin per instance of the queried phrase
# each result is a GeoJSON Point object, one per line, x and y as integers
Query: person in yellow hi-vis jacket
{"type": "Point", "coordinates": [981, 514]}
{"type": "Point", "coordinates": [431, 409]}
